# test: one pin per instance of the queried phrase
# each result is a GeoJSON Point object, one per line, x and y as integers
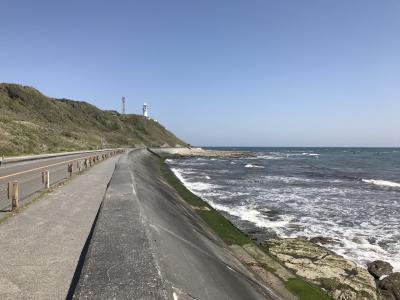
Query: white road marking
{"type": "Point", "coordinates": [230, 269]}
{"type": "Point", "coordinates": [133, 183]}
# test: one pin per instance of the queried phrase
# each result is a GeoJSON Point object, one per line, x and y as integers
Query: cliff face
{"type": "Point", "coordinates": [33, 123]}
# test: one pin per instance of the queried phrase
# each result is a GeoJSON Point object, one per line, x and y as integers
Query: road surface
{"type": "Point", "coordinates": [31, 182]}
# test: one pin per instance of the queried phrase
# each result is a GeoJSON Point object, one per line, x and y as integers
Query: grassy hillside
{"type": "Point", "coordinates": [33, 123]}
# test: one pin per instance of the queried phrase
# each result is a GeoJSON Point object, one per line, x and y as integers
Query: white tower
{"type": "Point", "coordinates": [145, 110]}
{"type": "Point", "coordinates": [123, 105]}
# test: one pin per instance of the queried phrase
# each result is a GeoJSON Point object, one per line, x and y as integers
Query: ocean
{"type": "Point", "coordinates": [350, 195]}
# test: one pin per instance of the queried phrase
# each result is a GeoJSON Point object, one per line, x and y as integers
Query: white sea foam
{"type": "Point", "coordinates": [286, 179]}
{"type": "Point", "coordinates": [303, 154]}
{"type": "Point", "coordinates": [252, 215]}
{"type": "Point", "coordinates": [382, 183]}
{"type": "Point", "coordinates": [360, 250]}
{"type": "Point", "coordinates": [352, 242]}
{"type": "Point", "coordinates": [185, 171]}
{"type": "Point", "coordinates": [270, 157]}
{"type": "Point", "coordinates": [253, 166]}
{"type": "Point", "coordinates": [230, 195]}
{"type": "Point", "coordinates": [178, 174]}
{"type": "Point", "coordinates": [290, 179]}
{"type": "Point", "coordinates": [201, 186]}
{"type": "Point", "coordinates": [310, 154]}
{"type": "Point", "coordinates": [193, 186]}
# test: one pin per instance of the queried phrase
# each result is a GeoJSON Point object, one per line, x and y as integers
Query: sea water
{"type": "Point", "coordinates": [350, 195]}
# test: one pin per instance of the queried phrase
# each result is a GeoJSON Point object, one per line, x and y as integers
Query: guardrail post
{"type": "Point", "coordinates": [46, 178]}
{"type": "Point", "coordinates": [70, 169]}
{"type": "Point", "coordinates": [13, 194]}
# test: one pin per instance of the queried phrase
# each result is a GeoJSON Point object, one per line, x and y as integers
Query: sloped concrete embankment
{"type": "Point", "coordinates": [148, 243]}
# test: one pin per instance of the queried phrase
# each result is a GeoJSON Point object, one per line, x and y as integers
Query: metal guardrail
{"type": "Point", "coordinates": [23, 185]}
{"type": "Point", "coordinates": [14, 159]}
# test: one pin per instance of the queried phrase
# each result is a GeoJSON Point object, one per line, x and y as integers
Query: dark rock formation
{"type": "Point", "coordinates": [321, 240]}
{"type": "Point", "coordinates": [378, 268]}
{"type": "Point", "coordinates": [390, 286]}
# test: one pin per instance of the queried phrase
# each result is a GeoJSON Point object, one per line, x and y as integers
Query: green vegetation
{"type": "Point", "coordinates": [33, 123]}
{"type": "Point", "coordinates": [229, 233]}
{"type": "Point", "coordinates": [225, 229]}
{"type": "Point", "coordinates": [232, 235]}
{"type": "Point", "coordinates": [304, 290]}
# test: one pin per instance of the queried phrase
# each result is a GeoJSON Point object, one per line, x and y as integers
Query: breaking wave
{"type": "Point", "coordinates": [252, 215]}
{"type": "Point", "coordinates": [193, 186]}
{"type": "Point", "coordinates": [384, 183]}
{"type": "Point", "coordinates": [254, 166]}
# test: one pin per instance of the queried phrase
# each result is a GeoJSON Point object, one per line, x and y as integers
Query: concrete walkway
{"type": "Point", "coordinates": [40, 247]}
{"type": "Point", "coordinates": [149, 244]}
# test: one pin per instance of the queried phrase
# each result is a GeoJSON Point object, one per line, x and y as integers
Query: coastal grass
{"type": "Point", "coordinates": [232, 235]}
{"type": "Point", "coordinates": [31, 123]}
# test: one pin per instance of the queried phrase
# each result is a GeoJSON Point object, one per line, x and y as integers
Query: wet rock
{"type": "Point", "coordinates": [343, 279]}
{"type": "Point", "coordinates": [390, 285]}
{"type": "Point", "coordinates": [321, 240]}
{"type": "Point", "coordinates": [379, 268]}
{"type": "Point", "coordinates": [252, 237]}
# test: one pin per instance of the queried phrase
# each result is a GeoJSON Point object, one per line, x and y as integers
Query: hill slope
{"type": "Point", "coordinates": [33, 123]}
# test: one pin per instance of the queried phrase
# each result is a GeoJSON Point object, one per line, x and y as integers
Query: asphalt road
{"type": "Point", "coordinates": [149, 244]}
{"type": "Point", "coordinates": [16, 167]}
{"type": "Point", "coordinates": [31, 182]}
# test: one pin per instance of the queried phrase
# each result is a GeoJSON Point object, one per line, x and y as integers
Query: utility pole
{"type": "Point", "coordinates": [123, 105]}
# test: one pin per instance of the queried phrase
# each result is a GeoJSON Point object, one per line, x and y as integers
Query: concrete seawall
{"type": "Point", "coordinates": [148, 243]}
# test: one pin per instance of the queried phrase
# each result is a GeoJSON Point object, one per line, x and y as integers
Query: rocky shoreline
{"type": "Point", "coordinates": [339, 277]}
{"type": "Point", "coordinates": [388, 282]}
{"type": "Point", "coordinates": [309, 259]}
{"type": "Point", "coordinates": [200, 152]}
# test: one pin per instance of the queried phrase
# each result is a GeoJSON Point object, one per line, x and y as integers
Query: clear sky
{"type": "Point", "coordinates": [215, 72]}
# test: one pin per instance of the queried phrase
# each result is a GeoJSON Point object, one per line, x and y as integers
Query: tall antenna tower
{"type": "Point", "coordinates": [123, 105]}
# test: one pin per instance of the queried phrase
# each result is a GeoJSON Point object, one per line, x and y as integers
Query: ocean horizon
{"type": "Point", "coordinates": [349, 195]}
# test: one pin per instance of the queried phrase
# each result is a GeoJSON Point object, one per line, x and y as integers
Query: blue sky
{"type": "Point", "coordinates": [247, 73]}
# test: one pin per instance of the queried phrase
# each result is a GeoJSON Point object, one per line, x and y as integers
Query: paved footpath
{"type": "Point", "coordinates": [150, 244]}
{"type": "Point", "coordinates": [40, 247]}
